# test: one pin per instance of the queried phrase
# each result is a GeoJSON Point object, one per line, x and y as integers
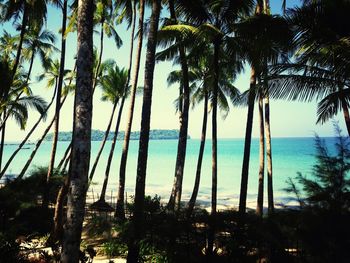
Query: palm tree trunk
{"type": "Point", "coordinates": [30, 66]}
{"type": "Point", "coordinates": [175, 197]}
{"type": "Point", "coordinates": [103, 143]}
{"type": "Point", "coordinates": [134, 246]}
{"type": "Point", "coordinates": [37, 145]}
{"type": "Point", "coordinates": [65, 156]}
{"type": "Point", "coordinates": [67, 160]}
{"type": "Point", "coordinates": [247, 144]}
{"type": "Point", "coordinates": [212, 222]}
{"type": "Point", "coordinates": [2, 144]}
{"type": "Point", "coordinates": [26, 138]}
{"type": "Point", "coordinates": [193, 198]}
{"type": "Point", "coordinates": [260, 201]}
{"type": "Point", "coordinates": [269, 156]}
{"type": "Point", "coordinates": [58, 102]}
{"type": "Point", "coordinates": [109, 162]}
{"type": "Point", "coordinates": [99, 58]}
{"type": "Point", "coordinates": [124, 157]}
{"type": "Point", "coordinates": [81, 147]}
{"type": "Point", "coordinates": [120, 211]}
{"type": "Point", "coordinates": [346, 115]}
{"type": "Point", "coordinates": [20, 44]}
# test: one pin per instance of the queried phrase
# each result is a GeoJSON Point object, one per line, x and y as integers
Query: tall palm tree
{"type": "Point", "coordinates": [184, 104]}
{"type": "Point", "coordinates": [81, 135]}
{"type": "Point", "coordinates": [125, 150]}
{"type": "Point", "coordinates": [63, 5]}
{"type": "Point", "coordinates": [104, 16]}
{"type": "Point", "coordinates": [214, 20]}
{"type": "Point", "coordinates": [129, 13]}
{"type": "Point", "coordinates": [134, 246]}
{"type": "Point", "coordinates": [113, 85]}
{"type": "Point", "coordinates": [264, 39]}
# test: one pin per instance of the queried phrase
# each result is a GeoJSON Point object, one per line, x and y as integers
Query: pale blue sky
{"type": "Point", "coordinates": [288, 119]}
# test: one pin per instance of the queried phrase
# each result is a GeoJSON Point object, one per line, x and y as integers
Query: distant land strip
{"type": "Point", "coordinates": [98, 135]}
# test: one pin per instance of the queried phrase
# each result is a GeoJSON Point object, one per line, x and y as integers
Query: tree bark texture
{"type": "Point", "coordinates": [81, 146]}
{"type": "Point", "coordinates": [92, 172]}
{"type": "Point", "coordinates": [247, 144]}
{"type": "Point", "coordinates": [125, 150]}
{"type": "Point", "coordinates": [175, 197]}
{"type": "Point", "coordinates": [193, 198]}
{"type": "Point", "coordinates": [260, 200]}
{"type": "Point", "coordinates": [134, 246]}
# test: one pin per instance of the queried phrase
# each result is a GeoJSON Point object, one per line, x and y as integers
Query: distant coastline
{"type": "Point", "coordinates": [98, 135]}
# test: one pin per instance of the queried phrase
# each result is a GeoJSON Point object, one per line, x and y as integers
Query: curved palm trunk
{"type": "Point", "coordinates": [103, 143]}
{"type": "Point", "coordinates": [30, 66]}
{"type": "Point", "coordinates": [134, 246]}
{"type": "Point", "coordinates": [124, 157]}
{"type": "Point", "coordinates": [37, 145]}
{"type": "Point", "coordinates": [21, 39]}
{"type": "Point", "coordinates": [120, 211]}
{"type": "Point", "coordinates": [110, 157]}
{"type": "Point", "coordinates": [58, 102]}
{"type": "Point", "coordinates": [269, 156]}
{"type": "Point", "coordinates": [65, 156]}
{"type": "Point", "coordinates": [67, 161]}
{"type": "Point", "coordinates": [3, 171]}
{"type": "Point", "coordinates": [260, 201]}
{"type": "Point", "coordinates": [79, 169]}
{"type": "Point", "coordinates": [247, 144]}
{"type": "Point", "coordinates": [175, 197]}
{"type": "Point", "coordinates": [193, 198]}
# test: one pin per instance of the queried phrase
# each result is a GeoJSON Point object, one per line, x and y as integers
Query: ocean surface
{"type": "Point", "coordinates": [290, 155]}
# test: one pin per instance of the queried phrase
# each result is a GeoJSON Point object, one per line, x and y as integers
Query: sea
{"type": "Point", "coordinates": [290, 156]}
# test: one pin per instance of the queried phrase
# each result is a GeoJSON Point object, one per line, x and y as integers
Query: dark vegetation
{"type": "Point", "coordinates": [315, 231]}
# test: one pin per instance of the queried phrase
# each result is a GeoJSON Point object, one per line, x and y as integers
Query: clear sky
{"type": "Point", "coordinates": [288, 119]}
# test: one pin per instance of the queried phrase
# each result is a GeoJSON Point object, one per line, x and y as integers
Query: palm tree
{"type": "Point", "coordinates": [103, 15]}
{"type": "Point", "coordinates": [113, 84]}
{"type": "Point", "coordinates": [10, 105]}
{"type": "Point", "coordinates": [38, 42]}
{"type": "Point", "coordinates": [128, 13]}
{"type": "Point", "coordinates": [63, 5]}
{"type": "Point", "coordinates": [184, 104]}
{"type": "Point", "coordinates": [125, 150]}
{"type": "Point", "coordinates": [32, 13]}
{"type": "Point", "coordinates": [134, 246]}
{"type": "Point", "coordinates": [273, 36]}
{"type": "Point", "coordinates": [42, 116]}
{"type": "Point", "coordinates": [321, 66]}
{"type": "Point", "coordinates": [214, 20]}
{"type": "Point", "coordinates": [81, 135]}
{"type": "Point", "coordinates": [260, 201]}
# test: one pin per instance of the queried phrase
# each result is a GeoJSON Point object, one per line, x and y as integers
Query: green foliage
{"type": "Point", "coordinates": [98, 225]}
{"type": "Point", "coordinates": [325, 203]}
{"type": "Point", "coordinates": [329, 186]}
{"type": "Point", "coordinates": [114, 248]}
{"type": "Point", "coordinates": [20, 202]}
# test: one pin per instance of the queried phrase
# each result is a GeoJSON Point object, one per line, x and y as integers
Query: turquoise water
{"type": "Point", "coordinates": [290, 155]}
